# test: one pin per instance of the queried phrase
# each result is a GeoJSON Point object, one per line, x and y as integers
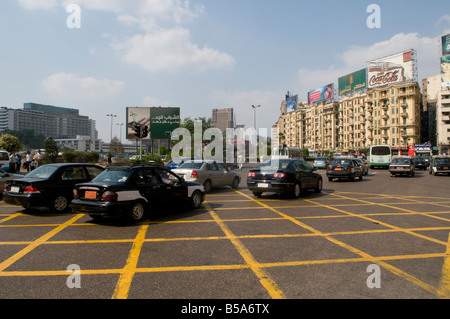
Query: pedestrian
{"type": "Point", "coordinates": [33, 165]}
{"type": "Point", "coordinates": [38, 158]}
{"type": "Point", "coordinates": [18, 162]}
{"type": "Point", "coordinates": [27, 161]}
{"type": "Point", "coordinates": [240, 160]}
{"type": "Point", "coordinates": [12, 162]}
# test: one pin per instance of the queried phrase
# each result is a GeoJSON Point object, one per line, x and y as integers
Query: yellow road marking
{"type": "Point", "coordinates": [124, 283]}
{"type": "Point", "coordinates": [8, 262]}
{"type": "Point", "coordinates": [444, 282]}
{"type": "Point", "coordinates": [265, 279]}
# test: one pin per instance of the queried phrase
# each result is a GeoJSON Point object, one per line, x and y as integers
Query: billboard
{"type": "Point", "coordinates": [322, 94]}
{"type": "Point", "coordinates": [445, 71]}
{"type": "Point", "coordinates": [446, 44]}
{"type": "Point", "coordinates": [161, 121]}
{"type": "Point", "coordinates": [292, 103]}
{"type": "Point", "coordinates": [352, 82]}
{"type": "Point", "coordinates": [395, 68]}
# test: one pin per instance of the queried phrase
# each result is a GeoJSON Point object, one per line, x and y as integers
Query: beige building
{"type": "Point", "coordinates": [387, 115]}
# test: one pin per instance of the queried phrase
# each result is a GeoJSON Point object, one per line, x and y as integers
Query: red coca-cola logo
{"type": "Point", "coordinates": [387, 77]}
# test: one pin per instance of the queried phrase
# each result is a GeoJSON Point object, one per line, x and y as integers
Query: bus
{"type": "Point", "coordinates": [291, 152]}
{"type": "Point", "coordinates": [380, 156]}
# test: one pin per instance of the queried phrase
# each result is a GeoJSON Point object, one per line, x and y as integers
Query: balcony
{"type": "Point", "coordinates": [385, 107]}
{"type": "Point", "coordinates": [385, 116]}
{"type": "Point", "coordinates": [404, 115]}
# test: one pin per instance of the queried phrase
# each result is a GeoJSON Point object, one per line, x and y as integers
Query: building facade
{"type": "Point", "coordinates": [388, 115]}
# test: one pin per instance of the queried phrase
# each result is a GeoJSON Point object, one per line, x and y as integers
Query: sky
{"type": "Point", "coordinates": [200, 54]}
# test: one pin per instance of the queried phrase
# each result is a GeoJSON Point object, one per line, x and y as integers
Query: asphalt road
{"type": "Point", "coordinates": [379, 238]}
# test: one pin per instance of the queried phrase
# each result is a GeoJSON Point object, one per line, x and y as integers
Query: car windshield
{"type": "Point", "coordinates": [400, 161]}
{"type": "Point", "coordinates": [195, 165]}
{"type": "Point", "coordinates": [274, 165]}
{"type": "Point", "coordinates": [341, 162]}
{"type": "Point", "coordinates": [117, 176]}
{"type": "Point", "coordinates": [321, 159]}
{"type": "Point", "coordinates": [442, 160]}
{"type": "Point", "coordinates": [43, 172]}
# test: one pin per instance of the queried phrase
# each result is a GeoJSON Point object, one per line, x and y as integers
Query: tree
{"type": "Point", "coordinates": [51, 150]}
{"type": "Point", "coordinates": [116, 147]}
{"type": "Point", "coordinates": [10, 143]}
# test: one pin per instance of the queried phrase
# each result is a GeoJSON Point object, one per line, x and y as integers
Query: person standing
{"type": "Point", "coordinates": [12, 162]}
{"type": "Point", "coordinates": [38, 158]}
{"type": "Point", "coordinates": [28, 161]}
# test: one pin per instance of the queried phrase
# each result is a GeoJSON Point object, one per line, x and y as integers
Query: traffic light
{"type": "Point", "coordinates": [137, 130]}
{"type": "Point", "coordinates": [144, 132]}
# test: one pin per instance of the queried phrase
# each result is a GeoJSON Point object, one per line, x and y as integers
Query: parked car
{"type": "Point", "coordinates": [5, 176]}
{"type": "Point", "coordinates": [344, 168]}
{"type": "Point", "coordinates": [320, 162]}
{"type": "Point", "coordinates": [208, 173]}
{"type": "Point", "coordinates": [49, 186]}
{"type": "Point", "coordinates": [363, 165]}
{"type": "Point", "coordinates": [4, 161]}
{"type": "Point", "coordinates": [402, 166]}
{"type": "Point", "coordinates": [133, 191]}
{"type": "Point", "coordinates": [284, 176]}
{"type": "Point", "coordinates": [175, 162]}
{"type": "Point", "coordinates": [421, 162]}
{"type": "Point", "coordinates": [440, 164]}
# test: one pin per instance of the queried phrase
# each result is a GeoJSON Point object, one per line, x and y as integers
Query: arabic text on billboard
{"type": "Point", "coordinates": [322, 94]}
{"type": "Point", "coordinates": [446, 44]}
{"type": "Point", "coordinates": [445, 71]}
{"type": "Point", "coordinates": [396, 68]}
{"type": "Point", "coordinates": [353, 82]}
{"type": "Point", "coordinates": [292, 103]}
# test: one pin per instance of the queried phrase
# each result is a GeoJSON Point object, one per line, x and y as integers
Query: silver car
{"type": "Point", "coordinates": [208, 173]}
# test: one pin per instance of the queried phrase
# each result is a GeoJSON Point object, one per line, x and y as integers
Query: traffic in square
{"type": "Point", "coordinates": [223, 155]}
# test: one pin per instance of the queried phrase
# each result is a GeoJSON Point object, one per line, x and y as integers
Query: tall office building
{"type": "Point", "coordinates": [223, 118]}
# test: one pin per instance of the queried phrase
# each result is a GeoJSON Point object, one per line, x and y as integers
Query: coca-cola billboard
{"type": "Point", "coordinates": [396, 68]}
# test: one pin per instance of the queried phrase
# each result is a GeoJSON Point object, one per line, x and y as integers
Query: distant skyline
{"type": "Point", "coordinates": [200, 55]}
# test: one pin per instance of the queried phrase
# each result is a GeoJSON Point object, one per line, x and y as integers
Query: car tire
{"type": "Point", "coordinates": [319, 186]}
{"type": "Point", "coordinates": [235, 183]}
{"type": "Point", "coordinates": [137, 212]}
{"type": "Point", "coordinates": [360, 177]}
{"type": "Point", "coordinates": [59, 204]}
{"type": "Point", "coordinates": [297, 191]}
{"type": "Point", "coordinates": [257, 194]}
{"type": "Point", "coordinates": [196, 199]}
{"type": "Point", "coordinates": [330, 179]}
{"type": "Point", "coordinates": [207, 185]}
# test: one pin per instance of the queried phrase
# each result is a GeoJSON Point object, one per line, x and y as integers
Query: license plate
{"type": "Point", "coordinates": [445, 167]}
{"type": "Point", "coordinates": [338, 169]}
{"type": "Point", "coordinates": [90, 195]}
{"type": "Point", "coordinates": [263, 185]}
{"type": "Point", "coordinates": [15, 189]}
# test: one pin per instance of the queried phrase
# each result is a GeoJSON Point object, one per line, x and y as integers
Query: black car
{"type": "Point", "coordinates": [283, 176]}
{"type": "Point", "coordinates": [421, 162]}
{"type": "Point", "coordinates": [440, 165]}
{"type": "Point", "coordinates": [49, 186]}
{"type": "Point", "coordinates": [133, 191]}
{"type": "Point", "coordinates": [344, 168]}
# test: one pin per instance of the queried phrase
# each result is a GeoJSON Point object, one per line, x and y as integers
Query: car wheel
{"type": "Point", "coordinates": [235, 183]}
{"type": "Point", "coordinates": [207, 185]}
{"type": "Point", "coordinates": [330, 179]}
{"type": "Point", "coordinates": [319, 186]}
{"type": "Point", "coordinates": [137, 212]}
{"type": "Point", "coordinates": [257, 194]}
{"type": "Point", "coordinates": [196, 199]}
{"type": "Point", "coordinates": [59, 204]}
{"type": "Point", "coordinates": [296, 192]}
{"type": "Point", "coordinates": [360, 177]}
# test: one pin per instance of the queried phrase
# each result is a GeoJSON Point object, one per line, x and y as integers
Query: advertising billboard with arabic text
{"type": "Point", "coordinates": [160, 120]}
{"type": "Point", "coordinates": [353, 82]}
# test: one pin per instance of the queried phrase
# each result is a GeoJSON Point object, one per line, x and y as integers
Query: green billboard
{"type": "Point", "coordinates": [446, 44]}
{"type": "Point", "coordinates": [352, 82]}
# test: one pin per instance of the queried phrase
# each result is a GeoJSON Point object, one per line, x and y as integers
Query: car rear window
{"type": "Point", "coordinates": [274, 165]}
{"type": "Point", "coordinates": [442, 161]}
{"type": "Point", "coordinates": [400, 161]}
{"type": "Point", "coordinates": [195, 165]}
{"type": "Point", "coordinates": [341, 162]}
{"type": "Point", "coordinates": [43, 172]}
{"type": "Point", "coordinates": [4, 156]}
{"type": "Point", "coordinates": [115, 176]}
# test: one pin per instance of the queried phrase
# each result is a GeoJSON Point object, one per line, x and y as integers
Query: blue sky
{"type": "Point", "coordinates": [200, 54]}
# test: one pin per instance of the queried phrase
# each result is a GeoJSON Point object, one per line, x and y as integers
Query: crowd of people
{"type": "Point", "coordinates": [29, 162]}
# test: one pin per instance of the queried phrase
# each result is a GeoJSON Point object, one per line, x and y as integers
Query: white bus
{"type": "Point", "coordinates": [291, 152]}
{"type": "Point", "coordinates": [380, 156]}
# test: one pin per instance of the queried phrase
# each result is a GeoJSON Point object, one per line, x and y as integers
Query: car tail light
{"type": "Point", "coordinates": [109, 196]}
{"type": "Point", "coordinates": [279, 175]}
{"type": "Point", "coordinates": [31, 190]}
{"type": "Point", "coordinates": [75, 193]}
{"type": "Point", "coordinates": [251, 174]}
{"type": "Point", "coordinates": [349, 169]}
{"type": "Point", "coordinates": [194, 174]}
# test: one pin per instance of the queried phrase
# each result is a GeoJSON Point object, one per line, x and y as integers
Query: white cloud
{"type": "Point", "coordinates": [71, 86]}
{"type": "Point", "coordinates": [169, 50]}
{"type": "Point", "coordinates": [38, 4]}
{"type": "Point", "coordinates": [357, 57]}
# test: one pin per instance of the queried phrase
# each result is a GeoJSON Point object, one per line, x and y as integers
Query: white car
{"type": "Point", "coordinates": [208, 173]}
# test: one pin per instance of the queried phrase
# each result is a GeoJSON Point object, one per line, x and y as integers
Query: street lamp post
{"type": "Point", "coordinates": [120, 125]}
{"type": "Point", "coordinates": [112, 117]}
{"type": "Point", "coordinates": [254, 114]}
